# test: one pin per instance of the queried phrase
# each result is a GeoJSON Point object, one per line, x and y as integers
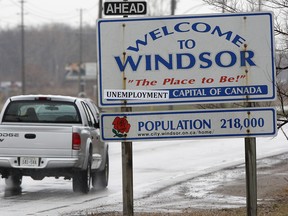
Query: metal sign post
{"type": "Point", "coordinates": [127, 176]}
{"type": "Point", "coordinates": [251, 176]}
{"type": "Point", "coordinates": [126, 8]}
{"type": "Point", "coordinates": [251, 173]}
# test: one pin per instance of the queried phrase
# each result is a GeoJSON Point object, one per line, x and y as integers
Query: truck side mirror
{"type": "Point", "coordinates": [96, 125]}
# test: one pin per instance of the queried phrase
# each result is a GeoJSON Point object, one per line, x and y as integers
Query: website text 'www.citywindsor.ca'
{"type": "Point", "coordinates": [176, 133]}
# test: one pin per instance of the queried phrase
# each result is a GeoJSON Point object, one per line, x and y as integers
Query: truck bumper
{"type": "Point", "coordinates": [38, 163]}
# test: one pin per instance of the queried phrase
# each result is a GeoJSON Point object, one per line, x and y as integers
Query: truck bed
{"type": "Point", "coordinates": [36, 140]}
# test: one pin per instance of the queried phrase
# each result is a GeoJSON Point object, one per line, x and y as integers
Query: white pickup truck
{"type": "Point", "coordinates": [52, 136]}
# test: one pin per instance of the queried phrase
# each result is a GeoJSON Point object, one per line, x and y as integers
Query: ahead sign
{"type": "Point", "coordinates": [197, 59]}
{"type": "Point", "coordinates": [125, 8]}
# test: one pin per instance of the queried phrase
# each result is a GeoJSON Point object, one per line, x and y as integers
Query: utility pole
{"type": "Point", "coordinates": [23, 48]}
{"type": "Point", "coordinates": [100, 9]}
{"type": "Point", "coordinates": [223, 6]}
{"type": "Point", "coordinates": [173, 6]}
{"type": "Point", "coordinates": [260, 5]}
{"type": "Point", "coordinates": [80, 81]}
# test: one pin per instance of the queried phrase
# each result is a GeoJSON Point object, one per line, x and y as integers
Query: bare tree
{"type": "Point", "coordinates": [159, 7]}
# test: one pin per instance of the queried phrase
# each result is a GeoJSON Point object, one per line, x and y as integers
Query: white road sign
{"type": "Point", "coordinates": [198, 59]}
{"type": "Point", "coordinates": [249, 122]}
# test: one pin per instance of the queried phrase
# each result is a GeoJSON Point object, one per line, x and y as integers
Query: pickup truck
{"type": "Point", "coordinates": [52, 136]}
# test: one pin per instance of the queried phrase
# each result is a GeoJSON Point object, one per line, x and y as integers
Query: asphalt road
{"type": "Point", "coordinates": [160, 168]}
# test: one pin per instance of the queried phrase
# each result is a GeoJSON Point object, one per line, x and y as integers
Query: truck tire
{"type": "Point", "coordinates": [100, 178]}
{"type": "Point", "coordinates": [13, 181]}
{"type": "Point", "coordinates": [13, 185]}
{"type": "Point", "coordinates": [82, 180]}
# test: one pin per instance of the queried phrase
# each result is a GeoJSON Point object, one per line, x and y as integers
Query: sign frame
{"type": "Point", "coordinates": [236, 119]}
{"type": "Point", "coordinates": [205, 94]}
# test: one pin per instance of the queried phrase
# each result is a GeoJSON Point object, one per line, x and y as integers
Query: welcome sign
{"type": "Point", "coordinates": [193, 59]}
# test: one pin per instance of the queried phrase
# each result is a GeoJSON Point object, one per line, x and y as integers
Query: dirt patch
{"type": "Point", "coordinates": [270, 181]}
{"type": "Point", "coordinates": [276, 204]}
{"type": "Point", "coordinates": [272, 192]}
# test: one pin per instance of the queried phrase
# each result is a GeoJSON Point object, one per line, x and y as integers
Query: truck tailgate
{"type": "Point", "coordinates": [40, 141]}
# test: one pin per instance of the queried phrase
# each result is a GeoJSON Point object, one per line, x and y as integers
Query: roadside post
{"type": "Point", "coordinates": [211, 58]}
{"type": "Point", "coordinates": [126, 8]}
{"type": "Point", "coordinates": [127, 155]}
{"type": "Point", "coordinates": [251, 173]}
{"type": "Point", "coordinates": [251, 176]}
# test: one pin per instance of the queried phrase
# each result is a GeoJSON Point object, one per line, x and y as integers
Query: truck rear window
{"type": "Point", "coordinates": [42, 112]}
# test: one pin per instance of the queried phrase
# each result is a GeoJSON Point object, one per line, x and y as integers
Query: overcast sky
{"type": "Point", "coordinates": [38, 12]}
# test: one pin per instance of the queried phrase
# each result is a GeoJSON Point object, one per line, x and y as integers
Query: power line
{"type": "Point", "coordinates": [41, 16]}
{"type": "Point", "coordinates": [50, 15]}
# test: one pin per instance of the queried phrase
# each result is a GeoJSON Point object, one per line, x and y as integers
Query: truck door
{"type": "Point", "coordinates": [95, 135]}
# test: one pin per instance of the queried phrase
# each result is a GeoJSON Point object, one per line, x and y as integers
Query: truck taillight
{"type": "Point", "coordinates": [76, 141]}
{"type": "Point", "coordinates": [42, 98]}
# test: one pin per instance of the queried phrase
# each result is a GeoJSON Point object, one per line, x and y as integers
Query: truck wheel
{"type": "Point", "coordinates": [82, 180]}
{"type": "Point", "coordinates": [100, 178]}
{"type": "Point", "coordinates": [13, 181]}
{"type": "Point", "coordinates": [13, 185]}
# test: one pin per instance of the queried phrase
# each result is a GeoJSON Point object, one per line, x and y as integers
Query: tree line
{"type": "Point", "coordinates": [47, 49]}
